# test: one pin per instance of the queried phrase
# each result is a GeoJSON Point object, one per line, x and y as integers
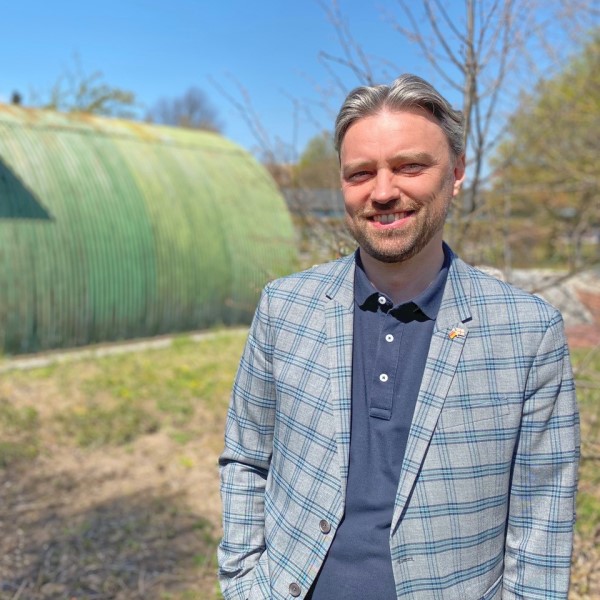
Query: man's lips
{"type": "Point", "coordinates": [388, 218]}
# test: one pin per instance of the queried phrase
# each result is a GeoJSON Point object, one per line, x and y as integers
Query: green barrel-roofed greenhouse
{"type": "Point", "coordinates": [113, 230]}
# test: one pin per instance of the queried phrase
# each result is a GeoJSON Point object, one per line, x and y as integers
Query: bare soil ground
{"type": "Point", "coordinates": [133, 522]}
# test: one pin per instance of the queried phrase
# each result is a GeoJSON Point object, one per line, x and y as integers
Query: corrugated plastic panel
{"type": "Point", "coordinates": [114, 230]}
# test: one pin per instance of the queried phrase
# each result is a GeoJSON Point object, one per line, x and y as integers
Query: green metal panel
{"type": "Point", "coordinates": [113, 230]}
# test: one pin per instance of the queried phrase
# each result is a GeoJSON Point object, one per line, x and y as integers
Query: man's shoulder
{"type": "Point", "coordinates": [489, 288]}
{"type": "Point", "coordinates": [315, 280]}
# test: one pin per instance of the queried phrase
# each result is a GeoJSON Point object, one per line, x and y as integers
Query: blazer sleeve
{"type": "Point", "coordinates": [244, 464]}
{"type": "Point", "coordinates": [544, 483]}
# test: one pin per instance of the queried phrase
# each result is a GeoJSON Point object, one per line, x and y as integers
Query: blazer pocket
{"type": "Point", "coordinates": [473, 416]}
{"type": "Point", "coordinates": [495, 590]}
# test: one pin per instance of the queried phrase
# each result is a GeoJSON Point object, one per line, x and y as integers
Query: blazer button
{"type": "Point", "coordinates": [324, 526]}
{"type": "Point", "coordinates": [295, 590]}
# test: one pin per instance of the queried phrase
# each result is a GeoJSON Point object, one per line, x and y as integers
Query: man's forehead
{"type": "Point", "coordinates": [410, 132]}
{"type": "Point", "coordinates": [408, 111]}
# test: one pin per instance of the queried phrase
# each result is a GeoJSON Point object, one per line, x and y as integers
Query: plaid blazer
{"type": "Point", "coordinates": [485, 502]}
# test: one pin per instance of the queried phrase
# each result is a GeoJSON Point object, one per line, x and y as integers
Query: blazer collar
{"type": "Point", "coordinates": [456, 301]}
{"type": "Point", "coordinates": [447, 344]}
{"type": "Point", "coordinates": [341, 289]}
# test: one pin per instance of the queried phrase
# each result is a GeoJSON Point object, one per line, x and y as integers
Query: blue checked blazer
{"type": "Point", "coordinates": [485, 502]}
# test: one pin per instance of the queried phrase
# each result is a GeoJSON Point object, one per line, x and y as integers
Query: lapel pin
{"type": "Point", "coordinates": [456, 332]}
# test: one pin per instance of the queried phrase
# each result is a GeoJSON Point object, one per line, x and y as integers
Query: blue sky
{"type": "Point", "coordinates": [158, 49]}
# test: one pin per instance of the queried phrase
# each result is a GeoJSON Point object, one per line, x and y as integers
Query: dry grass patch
{"type": "Point", "coordinates": [109, 487]}
{"type": "Point", "coordinates": [586, 555]}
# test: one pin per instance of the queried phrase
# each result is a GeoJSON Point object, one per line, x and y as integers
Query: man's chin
{"type": "Point", "coordinates": [389, 255]}
{"type": "Point", "coordinates": [391, 258]}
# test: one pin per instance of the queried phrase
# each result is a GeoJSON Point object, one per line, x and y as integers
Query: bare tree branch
{"type": "Point", "coordinates": [247, 112]}
{"type": "Point", "coordinates": [414, 35]}
{"type": "Point", "coordinates": [353, 57]}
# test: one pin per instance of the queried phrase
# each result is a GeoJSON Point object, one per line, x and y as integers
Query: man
{"type": "Point", "coordinates": [401, 425]}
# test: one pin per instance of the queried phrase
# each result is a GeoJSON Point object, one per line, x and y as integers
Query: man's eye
{"type": "Point", "coordinates": [358, 176]}
{"type": "Point", "coordinates": [411, 168]}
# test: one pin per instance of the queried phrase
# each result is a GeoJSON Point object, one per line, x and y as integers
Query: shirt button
{"type": "Point", "coordinates": [389, 337]}
{"type": "Point", "coordinates": [324, 526]}
{"type": "Point", "coordinates": [383, 377]}
{"type": "Point", "coordinates": [295, 590]}
{"type": "Point", "coordinates": [381, 300]}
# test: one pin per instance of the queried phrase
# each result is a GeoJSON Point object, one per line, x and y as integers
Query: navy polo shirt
{"type": "Point", "coordinates": [390, 349]}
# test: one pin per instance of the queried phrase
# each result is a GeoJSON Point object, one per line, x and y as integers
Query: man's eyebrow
{"type": "Point", "coordinates": [413, 157]}
{"type": "Point", "coordinates": [425, 157]}
{"type": "Point", "coordinates": [358, 164]}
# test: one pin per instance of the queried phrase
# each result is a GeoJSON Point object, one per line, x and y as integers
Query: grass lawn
{"type": "Point", "coordinates": [108, 474]}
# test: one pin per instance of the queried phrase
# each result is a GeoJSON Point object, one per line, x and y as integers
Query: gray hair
{"type": "Point", "coordinates": [407, 91]}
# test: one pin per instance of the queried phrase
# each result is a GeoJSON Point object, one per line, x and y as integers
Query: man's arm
{"type": "Point", "coordinates": [542, 500]}
{"type": "Point", "coordinates": [245, 461]}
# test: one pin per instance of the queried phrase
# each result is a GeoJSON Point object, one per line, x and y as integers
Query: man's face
{"type": "Point", "coordinates": [398, 179]}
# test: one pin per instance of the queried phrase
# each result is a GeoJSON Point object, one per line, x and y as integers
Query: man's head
{"type": "Point", "coordinates": [401, 163]}
{"type": "Point", "coordinates": [407, 91]}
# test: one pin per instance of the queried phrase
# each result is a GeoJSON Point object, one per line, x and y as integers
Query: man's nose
{"type": "Point", "coordinates": [384, 188]}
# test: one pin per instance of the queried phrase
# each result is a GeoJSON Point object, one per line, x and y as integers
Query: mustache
{"type": "Point", "coordinates": [391, 207]}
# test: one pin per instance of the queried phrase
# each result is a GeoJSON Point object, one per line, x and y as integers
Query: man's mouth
{"type": "Point", "coordinates": [391, 217]}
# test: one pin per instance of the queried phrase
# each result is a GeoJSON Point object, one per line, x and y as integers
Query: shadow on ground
{"type": "Point", "coordinates": [147, 545]}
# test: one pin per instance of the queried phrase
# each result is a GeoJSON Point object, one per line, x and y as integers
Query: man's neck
{"type": "Point", "coordinates": [404, 280]}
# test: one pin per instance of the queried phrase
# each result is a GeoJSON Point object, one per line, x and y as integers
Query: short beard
{"type": "Point", "coordinates": [390, 252]}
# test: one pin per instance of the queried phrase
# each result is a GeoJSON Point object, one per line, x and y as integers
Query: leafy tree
{"type": "Point", "coordinates": [77, 91]}
{"type": "Point", "coordinates": [548, 166]}
{"type": "Point", "coordinates": [318, 166]}
{"type": "Point", "coordinates": [192, 110]}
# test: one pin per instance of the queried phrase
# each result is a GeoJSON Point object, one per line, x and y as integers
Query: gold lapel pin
{"type": "Point", "coordinates": [456, 332]}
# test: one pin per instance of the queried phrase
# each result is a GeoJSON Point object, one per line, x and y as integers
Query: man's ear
{"type": "Point", "coordinates": [459, 173]}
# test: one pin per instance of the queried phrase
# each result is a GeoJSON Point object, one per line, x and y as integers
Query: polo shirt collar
{"type": "Point", "coordinates": [427, 302]}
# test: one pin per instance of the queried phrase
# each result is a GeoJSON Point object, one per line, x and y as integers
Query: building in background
{"type": "Point", "coordinates": [113, 230]}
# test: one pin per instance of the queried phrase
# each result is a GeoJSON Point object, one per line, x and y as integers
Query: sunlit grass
{"type": "Point", "coordinates": [18, 433]}
{"type": "Point", "coordinates": [115, 399]}
{"type": "Point", "coordinates": [587, 366]}
{"type": "Point", "coordinates": [94, 424]}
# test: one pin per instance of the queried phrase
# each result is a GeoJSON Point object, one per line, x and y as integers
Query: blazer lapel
{"type": "Point", "coordinates": [445, 350]}
{"type": "Point", "coordinates": [339, 324]}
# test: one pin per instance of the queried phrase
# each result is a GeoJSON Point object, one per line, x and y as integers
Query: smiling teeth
{"type": "Point", "coordinates": [389, 218]}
